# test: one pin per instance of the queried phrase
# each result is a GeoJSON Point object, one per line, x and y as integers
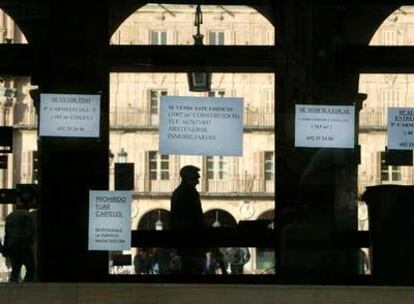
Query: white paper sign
{"type": "Point", "coordinates": [69, 115]}
{"type": "Point", "coordinates": [201, 126]}
{"type": "Point", "coordinates": [400, 129]}
{"type": "Point", "coordinates": [324, 126]}
{"type": "Point", "coordinates": [109, 220]}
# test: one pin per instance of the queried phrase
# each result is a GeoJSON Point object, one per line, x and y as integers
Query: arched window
{"type": "Point", "coordinates": [265, 257]}
{"type": "Point", "coordinates": [136, 90]}
{"type": "Point", "coordinates": [172, 24]}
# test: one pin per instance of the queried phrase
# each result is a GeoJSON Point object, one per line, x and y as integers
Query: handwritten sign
{"type": "Point", "coordinates": [324, 126]}
{"type": "Point", "coordinates": [400, 129]}
{"type": "Point", "coordinates": [109, 220]}
{"type": "Point", "coordinates": [72, 115]}
{"type": "Point", "coordinates": [201, 126]}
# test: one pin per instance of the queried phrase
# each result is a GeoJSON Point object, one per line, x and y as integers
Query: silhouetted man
{"type": "Point", "coordinates": [18, 242]}
{"type": "Point", "coordinates": [187, 214]}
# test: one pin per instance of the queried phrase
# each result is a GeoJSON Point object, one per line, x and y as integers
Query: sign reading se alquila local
{"type": "Point", "coordinates": [324, 126]}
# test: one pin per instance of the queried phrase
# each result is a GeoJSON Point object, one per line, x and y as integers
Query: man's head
{"type": "Point", "coordinates": [20, 206]}
{"type": "Point", "coordinates": [189, 175]}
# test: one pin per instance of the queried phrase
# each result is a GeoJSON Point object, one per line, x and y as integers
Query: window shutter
{"type": "Point", "coordinates": [376, 167]}
{"type": "Point", "coordinates": [146, 171]}
{"type": "Point", "coordinates": [258, 158]}
{"type": "Point", "coordinates": [234, 173]}
{"type": "Point", "coordinates": [35, 166]}
{"type": "Point", "coordinates": [174, 168]}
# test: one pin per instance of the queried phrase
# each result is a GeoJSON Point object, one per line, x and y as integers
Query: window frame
{"type": "Point", "coordinates": [158, 173]}
{"type": "Point", "coordinates": [154, 103]}
{"type": "Point", "coordinates": [219, 169]}
{"type": "Point", "coordinates": [217, 34]}
{"type": "Point", "coordinates": [389, 171]}
{"type": "Point", "coordinates": [158, 33]}
{"type": "Point", "coordinates": [272, 164]}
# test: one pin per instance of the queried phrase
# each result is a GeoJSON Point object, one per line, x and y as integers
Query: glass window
{"type": "Point", "coordinates": [159, 166]}
{"type": "Point", "coordinates": [216, 38]}
{"type": "Point", "coordinates": [389, 37]}
{"type": "Point", "coordinates": [158, 37]}
{"type": "Point", "coordinates": [390, 96]}
{"type": "Point", "coordinates": [35, 167]}
{"type": "Point", "coordinates": [216, 93]}
{"type": "Point", "coordinates": [155, 99]}
{"type": "Point", "coordinates": [389, 173]}
{"type": "Point", "coordinates": [216, 167]}
{"type": "Point", "coordinates": [269, 165]}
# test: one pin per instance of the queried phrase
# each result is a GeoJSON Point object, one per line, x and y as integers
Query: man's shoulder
{"type": "Point", "coordinates": [18, 214]}
{"type": "Point", "coordinates": [176, 191]}
{"type": "Point", "coordinates": [180, 190]}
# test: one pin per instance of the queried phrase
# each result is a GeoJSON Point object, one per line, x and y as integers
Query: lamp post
{"type": "Point", "coordinates": [216, 223]}
{"type": "Point", "coordinates": [124, 172]}
{"type": "Point", "coordinates": [159, 225]}
{"type": "Point", "coordinates": [199, 81]}
{"type": "Point", "coordinates": [122, 156]}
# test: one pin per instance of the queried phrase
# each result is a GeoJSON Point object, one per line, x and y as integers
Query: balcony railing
{"type": "Point", "coordinates": [364, 183]}
{"type": "Point", "coordinates": [373, 117]}
{"type": "Point", "coordinates": [207, 186]}
{"type": "Point", "coordinates": [130, 117]}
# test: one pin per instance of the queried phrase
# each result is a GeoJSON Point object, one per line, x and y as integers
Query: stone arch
{"type": "Point", "coordinates": [384, 91]}
{"type": "Point", "coordinates": [151, 219]}
{"type": "Point", "coordinates": [125, 9]}
{"type": "Point", "coordinates": [265, 257]}
{"type": "Point", "coordinates": [13, 31]}
{"type": "Point", "coordinates": [221, 217]}
{"type": "Point", "coordinates": [379, 19]}
{"type": "Point", "coordinates": [267, 215]}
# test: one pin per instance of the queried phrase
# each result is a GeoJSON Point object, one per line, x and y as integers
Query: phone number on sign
{"type": "Point", "coordinates": [74, 129]}
{"type": "Point", "coordinates": [319, 138]}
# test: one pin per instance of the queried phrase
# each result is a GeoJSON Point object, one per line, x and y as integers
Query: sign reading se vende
{"type": "Point", "coordinates": [201, 126]}
{"type": "Point", "coordinates": [69, 115]}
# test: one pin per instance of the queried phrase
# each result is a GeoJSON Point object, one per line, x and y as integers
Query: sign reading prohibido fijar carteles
{"type": "Point", "coordinates": [324, 126]}
{"type": "Point", "coordinates": [400, 129]}
{"type": "Point", "coordinates": [69, 115]}
{"type": "Point", "coordinates": [201, 126]}
{"type": "Point", "coordinates": [110, 220]}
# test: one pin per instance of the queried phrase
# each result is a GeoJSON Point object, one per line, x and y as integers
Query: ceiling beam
{"type": "Point", "coordinates": [376, 59]}
{"type": "Point", "coordinates": [189, 58]}
{"type": "Point", "coordinates": [20, 59]}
